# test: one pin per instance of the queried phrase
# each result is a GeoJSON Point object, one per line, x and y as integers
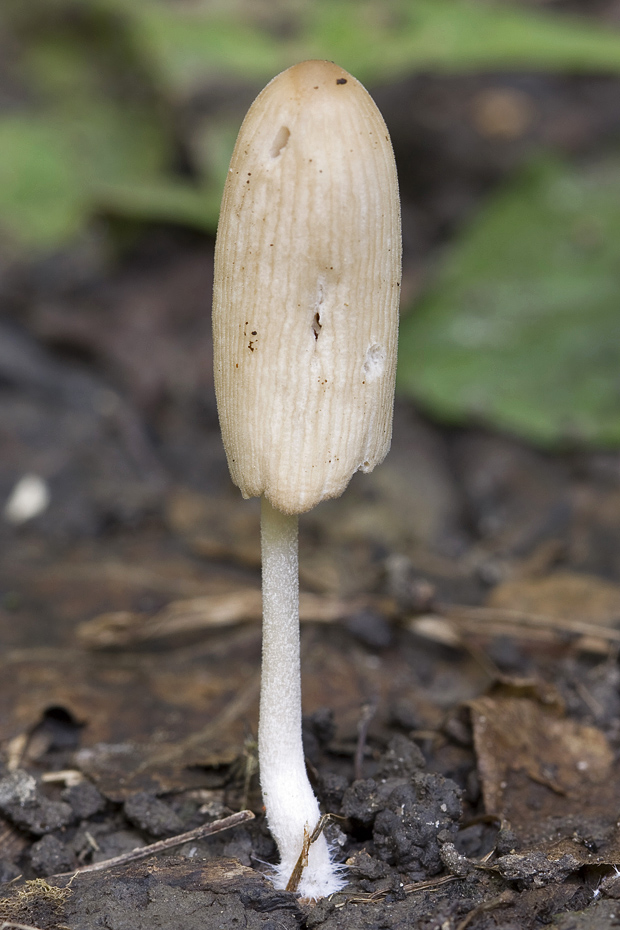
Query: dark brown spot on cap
{"type": "Point", "coordinates": [341, 81]}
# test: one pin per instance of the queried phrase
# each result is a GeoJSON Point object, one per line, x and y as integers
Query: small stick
{"type": "Point", "coordinates": [302, 862]}
{"type": "Point", "coordinates": [207, 829]}
{"type": "Point", "coordinates": [293, 882]}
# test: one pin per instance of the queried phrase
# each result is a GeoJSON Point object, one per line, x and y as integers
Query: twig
{"type": "Point", "coordinates": [207, 829]}
{"type": "Point", "coordinates": [302, 862]}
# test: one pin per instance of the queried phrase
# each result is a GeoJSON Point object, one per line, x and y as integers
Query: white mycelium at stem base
{"type": "Point", "coordinates": [289, 800]}
{"type": "Point", "coordinates": [305, 325]}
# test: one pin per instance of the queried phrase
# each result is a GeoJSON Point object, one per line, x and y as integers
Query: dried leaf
{"type": "Point", "coordinates": [565, 595]}
{"type": "Point", "coordinates": [548, 775]}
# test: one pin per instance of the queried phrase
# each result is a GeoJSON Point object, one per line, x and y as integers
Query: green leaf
{"type": "Point", "coordinates": [41, 198]}
{"type": "Point", "coordinates": [114, 136]}
{"type": "Point", "coordinates": [522, 330]}
{"type": "Point", "coordinates": [98, 140]}
{"type": "Point", "coordinates": [376, 42]}
{"type": "Point", "coordinates": [165, 201]}
{"type": "Point", "coordinates": [103, 77]}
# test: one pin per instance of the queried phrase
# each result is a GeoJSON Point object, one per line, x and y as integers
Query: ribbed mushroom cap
{"type": "Point", "coordinates": [307, 276]}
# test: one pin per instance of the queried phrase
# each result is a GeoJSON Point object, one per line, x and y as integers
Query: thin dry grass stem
{"type": "Point", "coordinates": [427, 885]}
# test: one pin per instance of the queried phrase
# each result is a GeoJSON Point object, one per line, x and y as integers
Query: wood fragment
{"type": "Point", "coordinates": [295, 877]}
{"type": "Point", "coordinates": [207, 829]}
{"type": "Point", "coordinates": [302, 862]}
{"type": "Point", "coordinates": [67, 777]}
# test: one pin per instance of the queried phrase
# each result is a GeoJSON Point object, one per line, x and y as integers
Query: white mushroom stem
{"type": "Point", "coordinates": [289, 800]}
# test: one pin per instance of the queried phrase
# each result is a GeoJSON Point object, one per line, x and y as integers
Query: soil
{"type": "Point", "coordinates": [460, 608]}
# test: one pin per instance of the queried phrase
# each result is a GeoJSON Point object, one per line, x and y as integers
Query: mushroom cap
{"type": "Point", "coordinates": [306, 290]}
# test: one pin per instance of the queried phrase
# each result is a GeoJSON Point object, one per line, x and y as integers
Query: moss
{"type": "Point", "coordinates": [35, 902]}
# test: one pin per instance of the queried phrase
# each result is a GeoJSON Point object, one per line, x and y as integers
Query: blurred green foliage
{"type": "Point", "coordinates": [103, 83]}
{"type": "Point", "coordinates": [522, 329]}
{"type": "Point", "coordinates": [376, 41]}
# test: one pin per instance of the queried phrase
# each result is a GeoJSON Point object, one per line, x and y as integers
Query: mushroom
{"type": "Point", "coordinates": [305, 320]}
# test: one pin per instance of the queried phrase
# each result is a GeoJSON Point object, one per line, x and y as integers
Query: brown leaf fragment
{"type": "Point", "coordinates": [145, 720]}
{"type": "Point", "coordinates": [565, 595]}
{"type": "Point", "coordinates": [595, 850]}
{"type": "Point", "coordinates": [121, 769]}
{"type": "Point", "coordinates": [535, 766]}
{"type": "Point", "coordinates": [456, 624]}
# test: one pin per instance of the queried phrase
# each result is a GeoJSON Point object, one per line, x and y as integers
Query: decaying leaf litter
{"type": "Point", "coordinates": [459, 633]}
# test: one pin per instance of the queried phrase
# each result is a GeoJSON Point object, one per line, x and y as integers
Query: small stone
{"type": "Point", "coordinates": [507, 842]}
{"type": "Point", "coordinates": [371, 628]}
{"type": "Point", "coordinates": [454, 861]}
{"type": "Point", "coordinates": [402, 758]}
{"type": "Point", "coordinates": [535, 870]}
{"type": "Point", "coordinates": [320, 912]}
{"type": "Point", "coordinates": [17, 788]}
{"type": "Point", "coordinates": [49, 856]}
{"type": "Point", "coordinates": [84, 799]}
{"type": "Point", "coordinates": [331, 791]}
{"type": "Point", "coordinates": [406, 831]}
{"type": "Point", "coordinates": [366, 866]}
{"type": "Point", "coordinates": [322, 724]}
{"type": "Point", "coordinates": [152, 815]}
{"type": "Point", "coordinates": [23, 804]}
{"type": "Point", "coordinates": [8, 871]}
{"type": "Point", "coordinates": [363, 800]}
{"type": "Point", "coordinates": [406, 714]}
